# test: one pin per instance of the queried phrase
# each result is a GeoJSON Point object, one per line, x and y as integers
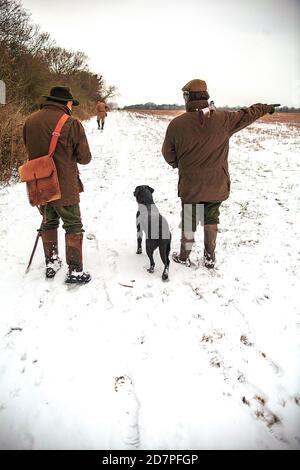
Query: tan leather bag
{"type": "Point", "coordinates": [40, 174]}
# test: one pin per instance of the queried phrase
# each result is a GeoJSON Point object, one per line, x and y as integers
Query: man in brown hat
{"type": "Point", "coordinates": [197, 143]}
{"type": "Point", "coordinates": [72, 148]}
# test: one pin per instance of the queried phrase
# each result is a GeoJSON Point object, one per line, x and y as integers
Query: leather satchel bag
{"type": "Point", "coordinates": [40, 174]}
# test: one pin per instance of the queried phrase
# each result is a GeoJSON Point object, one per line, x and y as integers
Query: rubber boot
{"type": "Point", "coordinates": [53, 262]}
{"type": "Point", "coordinates": [210, 238]}
{"type": "Point", "coordinates": [187, 241]}
{"type": "Point", "coordinates": [74, 260]}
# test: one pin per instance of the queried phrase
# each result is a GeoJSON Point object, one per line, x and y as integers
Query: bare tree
{"type": "Point", "coordinates": [30, 63]}
{"type": "Point", "coordinates": [15, 28]}
{"type": "Point", "coordinates": [65, 62]}
{"type": "Point", "coordinates": [106, 92]}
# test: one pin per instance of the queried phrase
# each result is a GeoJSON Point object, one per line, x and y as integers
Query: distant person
{"type": "Point", "coordinates": [197, 143]}
{"type": "Point", "coordinates": [72, 148]}
{"type": "Point", "coordinates": [102, 109]}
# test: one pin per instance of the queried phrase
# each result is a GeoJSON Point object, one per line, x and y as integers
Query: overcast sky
{"type": "Point", "coordinates": [247, 50]}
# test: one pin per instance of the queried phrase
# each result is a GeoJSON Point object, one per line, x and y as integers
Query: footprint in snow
{"type": "Point", "coordinates": [258, 406]}
{"type": "Point", "coordinates": [111, 258]}
{"type": "Point", "coordinates": [276, 368]}
{"type": "Point", "coordinates": [128, 410]}
{"type": "Point", "coordinates": [93, 240]}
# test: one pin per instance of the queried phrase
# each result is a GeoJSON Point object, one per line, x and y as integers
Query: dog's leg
{"type": "Point", "coordinates": [164, 251]}
{"type": "Point", "coordinates": [139, 234]}
{"type": "Point", "coordinates": [149, 250]}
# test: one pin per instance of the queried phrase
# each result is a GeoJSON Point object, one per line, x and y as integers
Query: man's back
{"type": "Point", "coordinates": [101, 107]}
{"type": "Point", "coordinates": [72, 147]}
{"type": "Point", "coordinates": [198, 146]}
{"type": "Point", "coordinates": [39, 127]}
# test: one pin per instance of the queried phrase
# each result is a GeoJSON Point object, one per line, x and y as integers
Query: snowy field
{"type": "Point", "coordinates": [209, 360]}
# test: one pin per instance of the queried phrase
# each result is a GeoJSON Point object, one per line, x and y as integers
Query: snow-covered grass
{"type": "Point", "coordinates": [210, 360]}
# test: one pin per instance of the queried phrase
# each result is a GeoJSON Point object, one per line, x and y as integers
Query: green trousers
{"type": "Point", "coordinates": [70, 215]}
{"type": "Point", "coordinates": [205, 212]}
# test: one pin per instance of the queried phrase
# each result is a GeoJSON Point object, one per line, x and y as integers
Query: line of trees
{"type": "Point", "coordinates": [30, 64]}
{"type": "Point", "coordinates": [282, 109]}
{"type": "Point", "coordinates": [154, 106]}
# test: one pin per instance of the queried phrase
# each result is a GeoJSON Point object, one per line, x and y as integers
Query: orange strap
{"type": "Point", "coordinates": [56, 133]}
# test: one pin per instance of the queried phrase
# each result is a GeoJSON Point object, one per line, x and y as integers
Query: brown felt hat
{"type": "Point", "coordinates": [195, 86]}
{"type": "Point", "coordinates": [61, 94]}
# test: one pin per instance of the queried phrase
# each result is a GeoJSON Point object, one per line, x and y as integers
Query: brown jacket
{"type": "Point", "coordinates": [201, 153]}
{"type": "Point", "coordinates": [102, 109]}
{"type": "Point", "coordinates": [72, 148]}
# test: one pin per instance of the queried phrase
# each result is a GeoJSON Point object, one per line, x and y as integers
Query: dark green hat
{"type": "Point", "coordinates": [62, 94]}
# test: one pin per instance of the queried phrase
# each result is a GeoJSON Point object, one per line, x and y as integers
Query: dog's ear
{"type": "Point", "coordinates": [136, 191]}
{"type": "Point", "coordinates": [151, 189]}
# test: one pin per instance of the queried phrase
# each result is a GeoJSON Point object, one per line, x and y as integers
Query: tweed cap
{"type": "Point", "coordinates": [195, 86]}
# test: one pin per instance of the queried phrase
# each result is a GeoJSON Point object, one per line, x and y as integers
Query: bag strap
{"type": "Point", "coordinates": [56, 134]}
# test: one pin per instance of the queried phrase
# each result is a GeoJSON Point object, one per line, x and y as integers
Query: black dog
{"type": "Point", "coordinates": [156, 228]}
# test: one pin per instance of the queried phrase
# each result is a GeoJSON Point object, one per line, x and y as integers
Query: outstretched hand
{"type": "Point", "coordinates": [273, 106]}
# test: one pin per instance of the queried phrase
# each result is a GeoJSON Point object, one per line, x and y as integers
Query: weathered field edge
{"type": "Point", "coordinates": [291, 119]}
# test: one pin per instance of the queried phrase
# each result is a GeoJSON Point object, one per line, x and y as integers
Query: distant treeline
{"type": "Point", "coordinates": [282, 109]}
{"type": "Point", "coordinates": [30, 64]}
{"type": "Point", "coordinates": [154, 106]}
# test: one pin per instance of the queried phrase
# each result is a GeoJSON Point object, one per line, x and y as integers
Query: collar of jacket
{"type": "Point", "coordinates": [54, 105]}
{"type": "Point", "coordinates": [196, 105]}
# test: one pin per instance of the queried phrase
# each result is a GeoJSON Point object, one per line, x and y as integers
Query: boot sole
{"type": "Point", "coordinates": [187, 264]}
{"type": "Point", "coordinates": [76, 282]}
{"type": "Point", "coordinates": [52, 274]}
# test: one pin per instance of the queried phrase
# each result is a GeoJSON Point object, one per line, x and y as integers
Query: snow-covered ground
{"type": "Point", "coordinates": [210, 360]}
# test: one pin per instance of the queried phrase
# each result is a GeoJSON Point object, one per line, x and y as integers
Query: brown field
{"type": "Point", "coordinates": [292, 119]}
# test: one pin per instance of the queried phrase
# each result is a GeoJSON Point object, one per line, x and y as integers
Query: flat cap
{"type": "Point", "coordinates": [195, 85]}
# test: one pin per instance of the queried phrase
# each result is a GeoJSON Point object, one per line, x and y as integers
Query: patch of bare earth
{"type": "Point", "coordinates": [292, 119]}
